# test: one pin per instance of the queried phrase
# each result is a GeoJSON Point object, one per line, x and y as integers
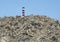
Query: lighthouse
{"type": "Point", "coordinates": [23, 11]}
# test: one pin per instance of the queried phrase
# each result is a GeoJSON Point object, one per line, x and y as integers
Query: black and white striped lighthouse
{"type": "Point", "coordinates": [23, 11]}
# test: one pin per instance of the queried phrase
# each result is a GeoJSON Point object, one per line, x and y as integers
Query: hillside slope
{"type": "Point", "coordinates": [32, 28]}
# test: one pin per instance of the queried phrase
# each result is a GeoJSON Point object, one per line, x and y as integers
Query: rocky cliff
{"type": "Point", "coordinates": [32, 28]}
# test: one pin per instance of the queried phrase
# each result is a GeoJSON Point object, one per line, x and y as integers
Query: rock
{"type": "Point", "coordinates": [32, 28]}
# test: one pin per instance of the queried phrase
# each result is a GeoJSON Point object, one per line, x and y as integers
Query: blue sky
{"type": "Point", "coordinates": [50, 8]}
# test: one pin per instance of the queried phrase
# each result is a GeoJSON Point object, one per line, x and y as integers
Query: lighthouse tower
{"type": "Point", "coordinates": [23, 11]}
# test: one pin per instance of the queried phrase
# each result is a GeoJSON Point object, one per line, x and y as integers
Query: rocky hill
{"type": "Point", "coordinates": [32, 28]}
